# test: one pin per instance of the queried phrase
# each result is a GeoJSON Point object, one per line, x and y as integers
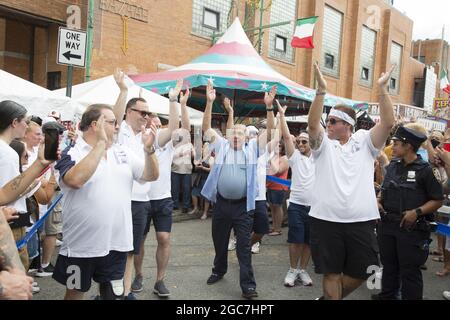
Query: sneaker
{"type": "Point", "coordinates": [58, 243]}
{"type": "Point", "coordinates": [291, 276]}
{"type": "Point", "coordinates": [35, 288]}
{"type": "Point", "coordinates": [160, 289]}
{"type": "Point", "coordinates": [250, 293]}
{"type": "Point", "coordinates": [232, 245]}
{"type": "Point", "coordinates": [213, 278]}
{"type": "Point", "coordinates": [137, 285]}
{"type": "Point", "coordinates": [45, 272]}
{"type": "Point", "coordinates": [305, 278]}
{"type": "Point", "coordinates": [320, 298]}
{"type": "Point", "coordinates": [255, 248]}
{"type": "Point", "coordinates": [130, 296]}
{"type": "Point", "coordinates": [446, 295]}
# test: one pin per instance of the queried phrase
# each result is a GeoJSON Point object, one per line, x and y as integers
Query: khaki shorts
{"type": "Point", "coordinates": [18, 234]}
{"type": "Point", "coordinates": [53, 224]}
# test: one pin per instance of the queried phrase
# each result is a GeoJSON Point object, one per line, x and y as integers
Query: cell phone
{"type": "Point", "coordinates": [447, 146]}
{"type": "Point", "coordinates": [435, 143]}
{"type": "Point", "coordinates": [51, 144]}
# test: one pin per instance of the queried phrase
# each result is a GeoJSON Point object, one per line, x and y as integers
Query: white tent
{"type": "Point", "coordinates": [37, 100]}
{"type": "Point", "coordinates": [105, 90]}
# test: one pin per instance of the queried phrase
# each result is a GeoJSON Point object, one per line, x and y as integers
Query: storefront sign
{"type": "Point", "coordinates": [125, 9]}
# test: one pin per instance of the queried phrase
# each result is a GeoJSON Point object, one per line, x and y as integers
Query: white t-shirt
{"type": "Point", "coordinates": [161, 188]}
{"type": "Point", "coordinates": [262, 173]}
{"type": "Point", "coordinates": [9, 169]}
{"type": "Point", "coordinates": [302, 178]}
{"type": "Point", "coordinates": [127, 138]}
{"type": "Point", "coordinates": [343, 190]}
{"type": "Point", "coordinates": [97, 217]}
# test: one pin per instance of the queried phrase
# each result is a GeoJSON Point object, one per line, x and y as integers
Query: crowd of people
{"type": "Point", "coordinates": [355, 199]}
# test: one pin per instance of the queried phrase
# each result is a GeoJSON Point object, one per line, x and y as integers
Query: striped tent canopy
{"type": "Point", "coordinates": [237, 71]}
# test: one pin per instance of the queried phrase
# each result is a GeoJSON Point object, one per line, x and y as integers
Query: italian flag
{"type": "Point", "coordinates": [303, 35]}
{"type": "Point", "coordinates": [445, 85]}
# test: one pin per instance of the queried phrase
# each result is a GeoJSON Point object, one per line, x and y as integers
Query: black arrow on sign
{"type": "Point", "coordinates": [68, 55]}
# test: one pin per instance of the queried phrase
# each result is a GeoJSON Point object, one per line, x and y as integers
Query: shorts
{"type": "Point", "coordinates": [53, 223]}
{"type": "Point", "coordinates": [275, 197]}
{"type": "Point", "coordinates": [161, 214]}
{"type": "Point", "coordinates": [78, 273]}
{"type": "Point", "coordinates": [343, 248]}
{"type": "Point", "coordinates": [260, 219]}
{"type": "Point", "coordinates": [298, 223]}
{"type": "Point", "coordinates": [33, 246]}
{"type": "Point", "coordinates": [139, 212]}
{"type": "Point", "coordinates": [18, 234]}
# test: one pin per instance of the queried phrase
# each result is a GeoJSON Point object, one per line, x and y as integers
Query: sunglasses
{"type": "Point", "coordinates": [303, 141]}
{"type": "Point", "coordinates": [142, 112]}
{"type": "Point", "coordinates": [333, 121]}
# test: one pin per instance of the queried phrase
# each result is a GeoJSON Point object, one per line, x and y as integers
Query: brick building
{"type": "Point", "coordinates": [355, 40]}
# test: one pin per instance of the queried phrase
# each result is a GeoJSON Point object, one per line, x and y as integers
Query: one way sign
{"type": "Point", "coordinates": [71, 47]}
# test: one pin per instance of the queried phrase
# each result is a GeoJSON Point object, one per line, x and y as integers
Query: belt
{"type": "Point", "coordinates": [244, 199]}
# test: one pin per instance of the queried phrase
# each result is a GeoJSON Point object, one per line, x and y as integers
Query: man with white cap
{"type": "Point", "coordinates": [344, 205]}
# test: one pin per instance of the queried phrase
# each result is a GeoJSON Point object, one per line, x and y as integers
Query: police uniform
{"type": "Point", "coordinates": [404, 249]}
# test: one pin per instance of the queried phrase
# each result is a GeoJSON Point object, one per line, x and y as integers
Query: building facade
{"type": "Point", "coordinates": [355, 40]}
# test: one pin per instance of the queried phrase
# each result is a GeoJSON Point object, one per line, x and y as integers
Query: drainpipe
{"type": "Point", "coordinates": [90, 35]}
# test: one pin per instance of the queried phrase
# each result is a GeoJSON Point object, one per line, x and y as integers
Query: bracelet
{"type": "Point", "coordinates": [322, 93]}
{"type": "Point", "coordinates": [173, 99]}
{"type": "Point", "coordinates": [267, 109]}
{"type": "Point", "coordinates": [151, 152]}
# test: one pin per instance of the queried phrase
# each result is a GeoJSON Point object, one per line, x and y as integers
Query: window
{"type": "Point", "coordinates": [396, 58]}
{"type": "Point", "coordinates": [393, 84]}
{"type": "Point", "coordinates": [367, 55]}
{"type": "Point", "coordinates": [329, 61]}
{"type": "Point", "coordinates": [211, 19]}
{"type": "Point", "coordinates": [280, 43]}
{"type": "Point", "coordinates": [331, 43]}
{"type": "Point", "coordinates": [54, 80]}
{"type": "Point", "coordinates": [281, 36]}
{"type": "Point", "coordinates": [365, 74]}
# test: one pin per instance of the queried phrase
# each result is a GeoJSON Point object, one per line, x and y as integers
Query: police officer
{"type": "Point", "coordinates": [410, 194]}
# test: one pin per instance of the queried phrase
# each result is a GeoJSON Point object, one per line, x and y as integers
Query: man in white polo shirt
{"type": "Point", "coordinates": [97, 177]}
{"type": "Point", "coordinates": [344, 205]}
{"type": "Point", "coordinates": [302, 166]}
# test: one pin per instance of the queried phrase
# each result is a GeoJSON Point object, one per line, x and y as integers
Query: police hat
{"type": "Point", "coordinates": [410, 136]}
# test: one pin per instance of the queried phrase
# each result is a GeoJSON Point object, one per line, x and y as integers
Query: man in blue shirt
{"type": "Point", "coordinates": [232, 186]}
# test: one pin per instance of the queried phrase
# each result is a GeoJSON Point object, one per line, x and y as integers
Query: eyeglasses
{"type": "Point", "coordinates": [303, 141]}
{"type": "Point", "coordinates": [112, 122]}
{"type": "Point", "coordinates": [142, 112]}
{"type": "Point", "coordinates": [333, 121]}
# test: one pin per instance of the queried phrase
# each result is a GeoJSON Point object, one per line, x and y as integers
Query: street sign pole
{"type": "Point", "coordinates": [69, 81]}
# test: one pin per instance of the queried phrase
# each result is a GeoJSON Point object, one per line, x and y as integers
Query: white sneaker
{"type": "Point", "coordinates": [291, 276]}
{"type": "Point", "coordinates": [446, 295]}
{"type": "Point", "coordinates": [35, 288]}
{"type": "Point", "coordinates": [305, 278]}
{"type": "Point", "coordinates": [232, 245]}
{"type": "Point", "coordinates": [58, 243]}
{"type": "Point", "coordinates": [255, 248]}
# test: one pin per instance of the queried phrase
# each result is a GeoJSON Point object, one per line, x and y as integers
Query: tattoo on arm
{"type": "Point", "coordinates": [9, 256]}
{"type": "Point", "coordinates": [315, 142]}
{"type": "Point", "coordinates": [16, 182]}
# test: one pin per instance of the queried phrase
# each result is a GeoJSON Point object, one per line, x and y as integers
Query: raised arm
{"type": "Point", "coordinates": [266, 136]}
{"type": "Point", "coordinates": [165, 135]}
{"type": "Point", "coordinates": [315, 129]}
{"type": "Point", "coordinates": [121, 102]}
{"type": "Point", "coordinates": [287, 137]}
{"type": "Point", "coordinates": [382, 129]}
{"type": "Point", "coordinates": [185, 121]}
{"type": "Point", "coordinates": [151, 168]}
{"type": "Point", "coordinates": [229, 109]}
{"type": "Point", "coordinates": [206, 124]}
{"type": "Point", "coordinates": [17, 186]}
{"type": "Point", "coordinates": [79, 174]}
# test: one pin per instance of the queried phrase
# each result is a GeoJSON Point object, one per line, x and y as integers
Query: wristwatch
{"type": "Point", "coordinates": [152, 151]}
{"type": "Point", "coordinates": [419, 212]}
{"type": "Point", "coordinates": [173, 99]}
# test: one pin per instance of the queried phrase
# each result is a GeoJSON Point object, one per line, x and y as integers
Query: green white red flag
{"type": "Point", "coordinates": [303, 35]}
